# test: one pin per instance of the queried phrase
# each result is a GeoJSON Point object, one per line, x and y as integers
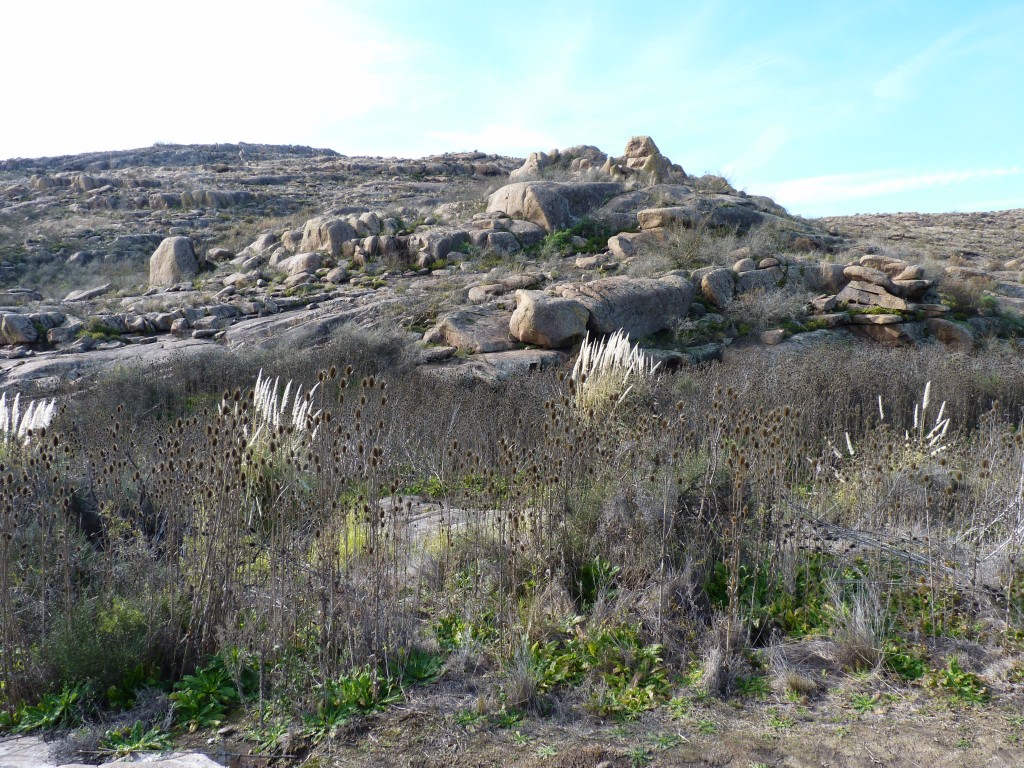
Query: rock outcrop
{"type": "Point", "coordinates": [551, 205]}
{"type": "Point", "coordinates": [548, 321]}
{"type": "Point", "coordinates": [637, 306]}
{"type": "Point", "coordinates": [173, 262]}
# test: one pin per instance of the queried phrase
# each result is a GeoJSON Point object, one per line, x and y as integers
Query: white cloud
{"type": "Point", "coordinates": [111, 74]}
{"type": "Point", "coordinates": [898, 83]}
{"type": "Point", "coordinates": [760, 153]}
{"type": "Point", "coordinates": [862, 186]}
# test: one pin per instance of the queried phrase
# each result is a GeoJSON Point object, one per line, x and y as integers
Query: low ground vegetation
{"type": "Point", "coordinates": [844, 524]}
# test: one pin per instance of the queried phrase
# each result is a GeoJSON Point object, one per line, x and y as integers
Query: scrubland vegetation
{"type": "Point", "coordinates": [185, 549]}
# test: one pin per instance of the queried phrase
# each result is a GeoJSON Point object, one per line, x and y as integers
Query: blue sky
{"type": "Point", "coordinates": [829, 107]}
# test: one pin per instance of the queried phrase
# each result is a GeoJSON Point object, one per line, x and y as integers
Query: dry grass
{"type": "Point", "coordinates": [713, 515]}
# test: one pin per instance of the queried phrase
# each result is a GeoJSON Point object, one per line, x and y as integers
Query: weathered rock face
{"type": "Point", "coordinates": [547, 321]}
{"type": "Point", "coordinates": [17, 329]}
{"type": "Point", "coordinates": [711, 210]}
{"type": "Point", "coordinates": [717, 286]}
{"type": "Point", "coordinates": [870, 295]}
{"type": "Point", "coordinates": [173, 262]}
{"type": "Point", "coordinates": [644, 161]}
{"type": "Point", "coordinates": [300, 263]}
{"type": "Point", "coordinates": [549, 204]}
{"type": "Point", "coordinates": [326, 234]}
{"type": "Point", "coordinates": [759, 279]}
{"type": "Point", "coordinates": [575, 161]}
{"type": "Point", "coordinates": [957, 336]}
{"type": "Point", "coordinates": [638, 306]}
{"type": "Point", "coordinates": [473, 330]}
{"type": "Point", "coordinates": [824, 277]}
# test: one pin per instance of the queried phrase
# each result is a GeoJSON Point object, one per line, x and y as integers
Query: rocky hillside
{"type": "Point", "coordinates": [493, 265]}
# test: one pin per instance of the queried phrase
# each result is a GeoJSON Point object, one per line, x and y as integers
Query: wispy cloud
{"type": "Point", "coordinates": [898, 83]}
{"type": "Point", "coordinates": [862, 186]}
{"type": "Point", "coordinates": [761, 152]}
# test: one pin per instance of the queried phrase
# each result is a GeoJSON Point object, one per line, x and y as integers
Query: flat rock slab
{"type": "Point", "coordinates": [474, 330]}
{"type": "Point", "coordinates": [33, 752]}
{"type": "Point", "coordinates": [498, 367]}
{"type": "Point", "coordinates": [876, 319]}
{"type": "Point", "coordinates": [870, 295]}
{"type": "Point", "coordinates": [46, 372]}
{"type": "Point", "coordinates": [25, 752]}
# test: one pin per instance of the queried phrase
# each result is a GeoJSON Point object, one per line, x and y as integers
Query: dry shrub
{"type": "Point", "coordinates": [858, 629]}
{"type": "Point", "coordinates": [722, 658]}
{"type": "Point", "coordinates": [763, 309]}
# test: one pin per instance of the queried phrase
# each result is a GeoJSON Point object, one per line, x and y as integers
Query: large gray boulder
{"type": "Point", "coordinates": [864, 294]}
{"type": "Point", "coordinates": [552, 205]}
{"type": "Point", "coordinates": [173, 262]}
{"type": "Point", "coordinates": [473, 330]}
{"type": "Point", "coordinates": [822, 277]}
{"type": "Point", "coordinates": [17, 329]}
{"type": "Point", "coordinates": [718, 285]}
{"type": "Point", "coordinates": [300, 263]}
{"type": "Point", "coordinates": [637, 306]}
{"type": "Point", "coordinates": [326, 234]}
{"type": "Point", "coordinates": [709, 210]}
{"type": "Point", "coordinates": [547, 321]}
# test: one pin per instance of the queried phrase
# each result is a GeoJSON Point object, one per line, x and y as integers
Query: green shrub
{"type": "Point", "coordinates": [104, 640]}
{"type": "Point", "coordinates": [136, 738]}
{"type": "Point", "coordinates": [965, 687]}
{"type": "Point", "coordinates": [361, 692]}
{"type": "Point", "coordinates": [54, 710]}
{"type": "Point", "coordinates": [204, 699]}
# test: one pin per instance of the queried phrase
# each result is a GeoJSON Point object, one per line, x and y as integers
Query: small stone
{"type": "Point", "coordinates": [773, 337]}
{"type": "Point", "coordinates": [824, 303]}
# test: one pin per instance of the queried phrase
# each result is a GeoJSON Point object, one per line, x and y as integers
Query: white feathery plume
{"type": "Point", "coordinates": [18, 425]}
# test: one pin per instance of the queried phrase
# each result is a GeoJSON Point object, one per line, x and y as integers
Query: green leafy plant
{"type": "Point", "coordinates": [417, 667]}
{"type": "Point", "coordinates": [136, 738]}
{"type": "Point", "coordinates": [123, 695]}
{"type": "Point", "coordinates": [632, 676]}
{"type": "Point", "coordinates": [707, 727]}
{"type": "Point", "coordinates": [904, 662]}
{"type": "Point", "coordinates": [666, 740]}
{"type": "Point", "coordinates": [203, 700]}
{"type": "Point", "coordinates": [863, 703]}
{"type": "Point", "coordinates": [54, 710]}
{"type": "Point", "coordinates": [679, 707]}
{"type": "Point", "coordinates": [507, 718]}
{"type": "Point", "coordinates": [639, 757]}
{"type": "Point", "coordinates": [596, 577]}
{"type": "Point", "coordinates": [799, 608]}
{"type": "Point", "coordinates": [965, 687]}
{"type": "Point", "coordinates": [467, 718]}
{"type": "Point", "coordinates": [360, 692]}
{"type": "Point", "coordinates": [779, 721]}
{"type": "Point", "coordinates": [450, 631]}
{"type": "Point", "coordinates": [556, 663]}
{"type": "Point", "coordinates": [756, 686]}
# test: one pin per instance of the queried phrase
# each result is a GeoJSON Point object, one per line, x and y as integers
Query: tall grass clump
{"type": "Point", "coordinates": [607, 370]}
{"type": "Point", "coordinates": [17, 425]}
